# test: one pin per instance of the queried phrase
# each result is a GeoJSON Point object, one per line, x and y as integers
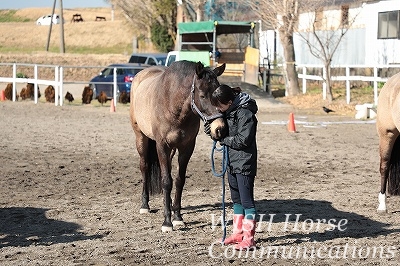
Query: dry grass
{"type": "Point", "coordinates": [312, 102]}
{"type": "Point", "coordinates": [89, 36]}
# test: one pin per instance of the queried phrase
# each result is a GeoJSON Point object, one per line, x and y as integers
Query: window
{"type": "Point", "coordinates": [137, 59]}
{"type": "Point", "coordinates": [108, 71]}
{"type": "Point", "coordinates": [388, 25]}
{"type": "Point", "coordinates": [151, 61]}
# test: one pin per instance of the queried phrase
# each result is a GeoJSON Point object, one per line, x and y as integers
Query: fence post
{"type": "Point", "coordinates": [304, 80]}
{"type": "Point", "coordinates": [56, 92]}
{"type": "Point", "coordinates": [115, 87]}
{"type": "Point", "coordinates": [347, 85]}
{"type": "Point", "coordinates": [35, 85]}
{"type": "Point", "coordinates": [61, 85]}
{"type": "Point", "coordinates": [14, 94]}
{"type": "Point", "coordinates": [375, 86]}
{"type": "Point", "coordinates": [324, 83]}
{"type": "Point", "coordinates": [264, 78]}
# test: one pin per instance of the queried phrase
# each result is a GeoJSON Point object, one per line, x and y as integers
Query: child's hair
{"type": "Point", "coordinates": [223, 94]}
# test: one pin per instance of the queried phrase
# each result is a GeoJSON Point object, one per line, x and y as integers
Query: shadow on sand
{"type": "Point", "coordinates": [21, 226]}
{"type": "Point", "coordinates": [308, 212]}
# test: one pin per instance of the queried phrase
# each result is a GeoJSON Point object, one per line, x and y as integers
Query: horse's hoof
{"type": "Point", "coordinates": [178, 223]}
{"type": "Point", "coordinates": [383, 211]}
{"type": "Point", "coordinates": [165, 229]}
{"type": "Point", "coordinates": [142, 211]}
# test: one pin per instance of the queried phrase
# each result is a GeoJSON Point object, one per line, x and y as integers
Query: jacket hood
{"type": "Point", "coordinates": [245, 101]}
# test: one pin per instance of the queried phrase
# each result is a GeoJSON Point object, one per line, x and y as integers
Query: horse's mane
{"type": "Point", "coordinates": [182, 68]}
{"type": "Point", "coordinates": [185, 68]}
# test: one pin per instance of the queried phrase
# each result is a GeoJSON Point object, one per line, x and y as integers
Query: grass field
{"type": "Point", "coordinates": [20, 34]}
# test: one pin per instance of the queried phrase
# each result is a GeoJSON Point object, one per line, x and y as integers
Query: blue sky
{"type": "Point", "coordinates": [18, 4]}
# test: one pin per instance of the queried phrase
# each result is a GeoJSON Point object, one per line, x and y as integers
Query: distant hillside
{"type": "Point", "coordinates": [90, 36]}
{"type": "Point", "coordinates": [88, 43]}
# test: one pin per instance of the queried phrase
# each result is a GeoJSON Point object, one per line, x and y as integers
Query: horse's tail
{"type": "Point", "coordinates": [153, 169]}
{"type": "Point", "coordinates": [394, 170]}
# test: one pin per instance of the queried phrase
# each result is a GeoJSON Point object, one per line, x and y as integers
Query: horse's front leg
{"type": "Point", "coordinates": [183, 160]}
{"type": "Point", "coordinates": [166, 183]}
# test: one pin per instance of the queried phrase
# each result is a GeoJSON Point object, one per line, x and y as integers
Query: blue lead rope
{"type": "Point", "coordinates": [224, 150]}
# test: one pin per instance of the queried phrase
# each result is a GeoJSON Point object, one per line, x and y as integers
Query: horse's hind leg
{"type": "Point", "coordinates": [142, 148]}
{"type": "Point", "coordinates": [183, 160]}
{"type": "Point", "coordinates": [386, 143]}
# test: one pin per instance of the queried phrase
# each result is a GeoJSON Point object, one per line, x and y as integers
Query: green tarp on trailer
{"type": "Point", "coordinates": [202, 35]}
{"type": "Point", "coordinates": [221, 27]}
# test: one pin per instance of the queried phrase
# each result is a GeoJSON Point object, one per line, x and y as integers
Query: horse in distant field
{"type": "Point", "coordinates": [388, 125]}
{"type": "Point", "coordinates": [166, 106]}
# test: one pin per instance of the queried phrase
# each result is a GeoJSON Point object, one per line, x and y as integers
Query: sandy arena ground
{"type": "Point", "coordinates": [70, 191]}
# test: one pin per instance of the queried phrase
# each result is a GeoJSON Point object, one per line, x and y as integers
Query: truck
{"type": "Point", "coordinates": [195, 56]}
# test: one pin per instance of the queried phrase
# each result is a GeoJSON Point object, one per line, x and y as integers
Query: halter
{"type": "Point", "coordinates": [195, 109]}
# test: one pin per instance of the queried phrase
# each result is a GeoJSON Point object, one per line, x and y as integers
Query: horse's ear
{"type": "Point", "coordinates": [199, 69]}
{"type": "Point", "coordinates": [219, 70]}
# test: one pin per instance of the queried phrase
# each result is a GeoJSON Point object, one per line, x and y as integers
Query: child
{"type": "Point", "coordinates": [240, 110]}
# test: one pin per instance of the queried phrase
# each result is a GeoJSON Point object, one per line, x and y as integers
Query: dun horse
{"type": "Point", "coordinates": [388, 125]}
{"type": "Point", "coordinates": [165, 111]}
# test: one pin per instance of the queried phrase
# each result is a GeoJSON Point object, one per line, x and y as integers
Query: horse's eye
{"type": "Point", "coordinates": [202, 96]}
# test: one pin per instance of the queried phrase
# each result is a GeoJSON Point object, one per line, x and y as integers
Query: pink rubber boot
{"type": "Point", "coordinates": [237, 233]}
{"type": "Point", "coordinates": [249, 229]}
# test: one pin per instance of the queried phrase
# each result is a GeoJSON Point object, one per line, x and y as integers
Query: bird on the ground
{"type": "Point", "coordinates": [102, 98]}
{"type": "Point", "coordinates": [69, 97]}
{"type": "Point", "coordinates": [327, 110]}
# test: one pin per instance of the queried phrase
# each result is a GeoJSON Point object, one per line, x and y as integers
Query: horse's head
{"type": "Point", "coordinates": [204, 83]}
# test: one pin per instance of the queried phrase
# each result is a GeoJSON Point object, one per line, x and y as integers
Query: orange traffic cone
{"type": "Point", "coordinates": [2, 95]}
{"type": "Point", "coordinates": [291, 124]}
{"type": "Point", "coordinates": [112, 106]}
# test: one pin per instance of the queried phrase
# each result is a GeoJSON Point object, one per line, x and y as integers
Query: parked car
{"type": "Point", "coordinates": [46, 20]}
{"type": "Point", "coordinates": [148, 59]}
{"type": "Point", "coordinates": [105, 80]}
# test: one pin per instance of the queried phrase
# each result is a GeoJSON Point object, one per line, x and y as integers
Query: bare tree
{"type": "Point", "coordinates": [232, 11]}
{"type": "Point", "coordinates": [324, 28]}
{"type": "Point", "coordinates": [282, 16]}
{"type": "Point", "coordinates": [142, 14]}
{"type": "Point", "coordinates": [193, 9]}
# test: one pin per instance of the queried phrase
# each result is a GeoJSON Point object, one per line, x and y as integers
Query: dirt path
{"type": "Point", "coordinates": [70, 193]}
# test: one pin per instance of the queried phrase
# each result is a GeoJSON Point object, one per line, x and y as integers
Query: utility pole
{"type": "Point", "coordinates": [62, 42]}
{"type": "Point", "coordinates": [51, 25]}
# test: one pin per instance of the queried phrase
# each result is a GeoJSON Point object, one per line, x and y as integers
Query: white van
{"type": "Point", "coordinates": [195, 56]}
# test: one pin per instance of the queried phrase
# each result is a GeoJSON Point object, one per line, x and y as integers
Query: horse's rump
{"type": "Point", "coordinates": [143, 88]}
{"type": "Point", "coordinates": [388, 124]}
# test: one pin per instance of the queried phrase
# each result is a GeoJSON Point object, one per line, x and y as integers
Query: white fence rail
{"type": "Point", "coordinates": [58, 80]}
{"type": "Point", "coordinates": [348, 78]}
